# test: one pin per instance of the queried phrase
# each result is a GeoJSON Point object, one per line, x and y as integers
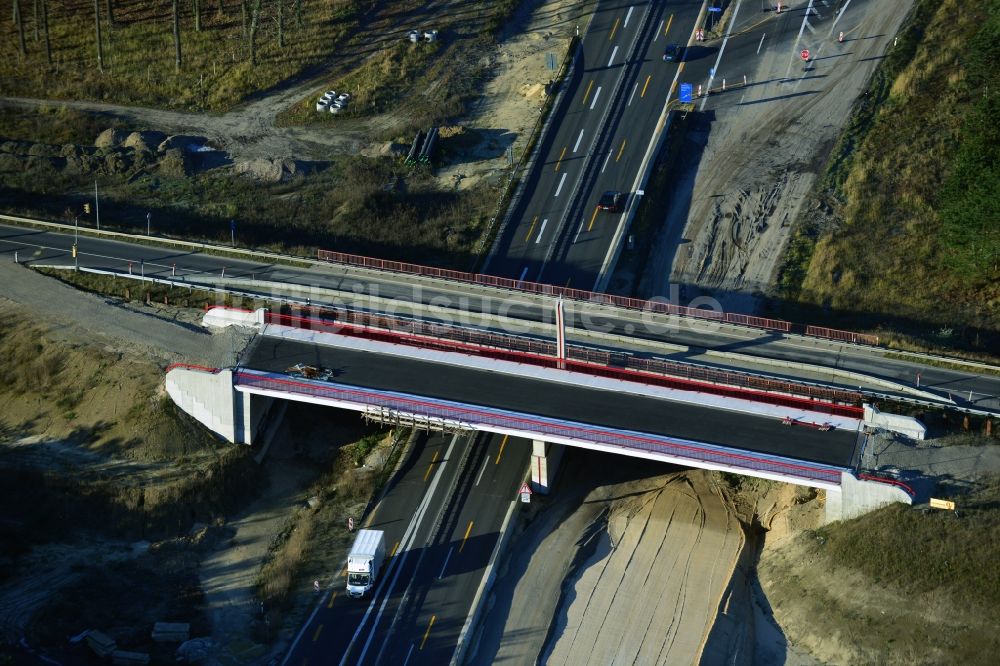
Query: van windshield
{"type": "Point", "coordinates": [359, 579]}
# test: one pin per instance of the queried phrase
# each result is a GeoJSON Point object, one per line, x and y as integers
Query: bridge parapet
{"type": "Point", "coordinates": [447, 414]}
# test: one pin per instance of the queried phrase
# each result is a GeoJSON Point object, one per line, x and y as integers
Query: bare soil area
{"type": "Point", "coordinates": [757, 162]}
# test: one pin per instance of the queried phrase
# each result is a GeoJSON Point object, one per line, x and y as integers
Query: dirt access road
{"type": "Point", "coordinates": [746, 175]}
{"type": "Point", "coordinates": [508, 105]}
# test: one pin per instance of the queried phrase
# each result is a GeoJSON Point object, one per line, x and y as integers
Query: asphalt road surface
{"type": "Point", "coordinates": [441, 516]}
{"type": "Point", "coordinates": [580, 404]}
{"type": "Point", "coordinates": [597, 139]}
{"type": "Point", "coordinates": [48, 247]}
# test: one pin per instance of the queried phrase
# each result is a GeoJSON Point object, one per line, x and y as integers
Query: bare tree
{"type": "Point", "coordinates": [197, 16]}
{"type": "Point", "coordinates": [45, 29]}
{"type": "Point", "coordinates": [281, 25]}
{"type": "Point", "coordinates": [298, 13]}
{"type": "Point", "coordinates": [246, 21]}
{"type": "Point", "coordinates": [254, 16]}
{"type": "Point", "coordinates": [111, 13]}
{"type": "Point", "coordinates": [20, 27]}
{"type": "Point", "coordinates": [177, 39]}
{"type": "Point", "coordinates": [34, 11]}
{"type": "Point", "coordinates": [220, 10]}
{"type": "Point", "coordinates": [97, 28]}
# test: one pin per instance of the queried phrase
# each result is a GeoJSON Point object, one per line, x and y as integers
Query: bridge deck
{"type": "Point", "coordinates": [582, 404]}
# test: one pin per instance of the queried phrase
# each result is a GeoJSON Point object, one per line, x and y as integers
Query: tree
{"type": "Point", "coordinates": [97, 29]}
{"type": "Point", "coordinates": [298, 13]}
{"type": "Point", "coordinates": [281, 25]}
{"type": "Point", "coordinates": [246, 21]}
{"type": "Point", "coordinates": [177, 38]}
{"type": "Point", "coordinates": [254, 16]}
{"type": "Point", "coordinates": [111, 13]}
{"type": "Point", "coordinates": [45, 29]}
{"type": "Point", "coordinates": [34, 11]}
{"type": "Point", "coordinates": [219, 11]}
{"type": "Point", "coordinates": [197, 16]}
{"type": "Point", "coordinates": [20, 27]}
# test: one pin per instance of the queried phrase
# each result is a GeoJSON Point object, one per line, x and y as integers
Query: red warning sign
{"type": "Point", "coordinates": [805, 54]}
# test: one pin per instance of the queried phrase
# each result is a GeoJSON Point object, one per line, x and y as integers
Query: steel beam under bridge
{"type": "Point", "coordinates": [447, 415]}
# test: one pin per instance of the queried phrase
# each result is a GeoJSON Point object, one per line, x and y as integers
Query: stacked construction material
{"type": "Point", "coordinates": [422, 148]}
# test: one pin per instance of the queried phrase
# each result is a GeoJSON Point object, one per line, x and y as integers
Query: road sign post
{"type": "Point", "coordinates": [687, 93]}
{"type": "Point", "coordinates": [525, 493]}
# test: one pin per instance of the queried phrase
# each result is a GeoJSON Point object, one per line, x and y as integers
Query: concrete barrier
{"type": "Point", "coordinates": [859, 495]}
{"type": "Point", "coordinates": [221, 316]}
{"type": "Point", "coordinates": [904, 425]}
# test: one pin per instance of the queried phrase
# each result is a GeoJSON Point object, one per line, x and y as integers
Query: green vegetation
{"type": "Point", "coordinates": [315, 539]}
{"type": "Point", "coordinates": [356, 204]}
{"type": "Point", "coordinates": [916, 177]}
{"type": "Point", "coordinates": [138, 50]}
{"type": "Point", "coordinates": [55, 124]}
{"type": "Point", "coordinates": [919, 551]}
{"type": "Point", "coordinates": [901, 585]}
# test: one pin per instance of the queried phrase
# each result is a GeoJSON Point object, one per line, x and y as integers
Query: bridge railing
{"type": "Point", "coordinates": [892, 482]}
{"type": "Point", "coordinates": [660, 307]}
{"type": "Point", "coordinates": [473, 416]}
{"type": "Point", "coordinates": [191, 366]}
{"type": "Point", "coordinates": [594, 362]}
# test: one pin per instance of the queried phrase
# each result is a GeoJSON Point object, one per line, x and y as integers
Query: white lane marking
{"type": "Point", "coordinates": [722, 49]}
{"type": "Point", "coordinates": [611, 60]}
{"type": "Point", "coordinates": [561, 181]}
{"type": "Point", "coordinates": [633, 94]}
{"type": "Point", "coordinates": [485, 463]}
{"type": "Point", "coordinates": [658, 31]}
{"type": "Point", "coordinates": [839, 14]}
{"type": "Point", "coordinates": [523, 273]}
{"type": "Point", "coordinates": [578, 140]}
{"type": "Point", "coordinates": [627, 17]}
{"type": "Point", "coordinates": [408, 537]}
{"type": "Point", "coordinates": [408, 653]}
{"type": "Point", "coordinates": [596, 95]}
{"type": "Point", "coordinates": [605, 162]}
{"type": "Point", "coordinates": [761, 42]}
{"type": "Point", "coordinates": [448, 557]}
{"type": "Point", "coordinates": [795, 49]}
{"type": "Point", "coordinates": [538, 239]}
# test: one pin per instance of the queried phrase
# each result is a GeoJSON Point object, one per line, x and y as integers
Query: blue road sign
{"type": "Point", "coordinates": [686, 93]}
{"type": "Point", "coordinates": [715, 9]}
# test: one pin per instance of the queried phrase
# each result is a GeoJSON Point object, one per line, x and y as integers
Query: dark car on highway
{"type": "Point", "coordinates": [672, 53]}
{"type": "Point", "coordinates": [611, 201]}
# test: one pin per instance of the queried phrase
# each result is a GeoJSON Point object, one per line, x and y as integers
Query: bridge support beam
{"type": "Point", "coordinates": [545, 458]}
{"type": "Point", "coordinates": [858, 496]}
{"type": "Point", "coordinates": [210, 398]}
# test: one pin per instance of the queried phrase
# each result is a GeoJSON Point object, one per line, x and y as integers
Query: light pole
{"type": "Point", "coordinates": [97, 206]}
{"type": "Point", "coordinates": [149, 217]}
{"type": "Point", "coordinates": [76, 241]}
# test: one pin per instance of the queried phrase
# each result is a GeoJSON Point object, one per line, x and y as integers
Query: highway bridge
{"type": "Point", "coordinates": [780, 431]}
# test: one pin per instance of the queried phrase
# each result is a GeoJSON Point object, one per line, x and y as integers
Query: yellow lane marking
{"type": "Point", "coordinates": [587, 94]}
{"type": "Point", "coordinates": [429, 467]}
{"type": "Point", "coordinates": [669, 21]}
{"type": "Point", "coordinates": [394, 549]}
{"type": "Point", "coordinates": [621, 150]}
{"type": "Point", "coordinates": [318, 630]}
{"type": "Point", "coordinates": [645, 85]}
{"type": "Point", "coordinates": [591, 225]}
{"type": "Point", "coordinates": [428, 632]}
{"type": "Point", "coordinates": [680, 68]}
{"type": "Point", "coordinates": [559, 161]}
{"type": "Point", "coordinates": [526, 238]}
{"type": "Point", "coordinates": [673, 86]}
{"type": "Point", "coordinates": [614, 29]}
{"type": "Point", "coordinates": [503, 443]}
{"type": "Point", "coordinates": [329, 604]}
{"type": "Point", "coordinates": [467, 531]}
